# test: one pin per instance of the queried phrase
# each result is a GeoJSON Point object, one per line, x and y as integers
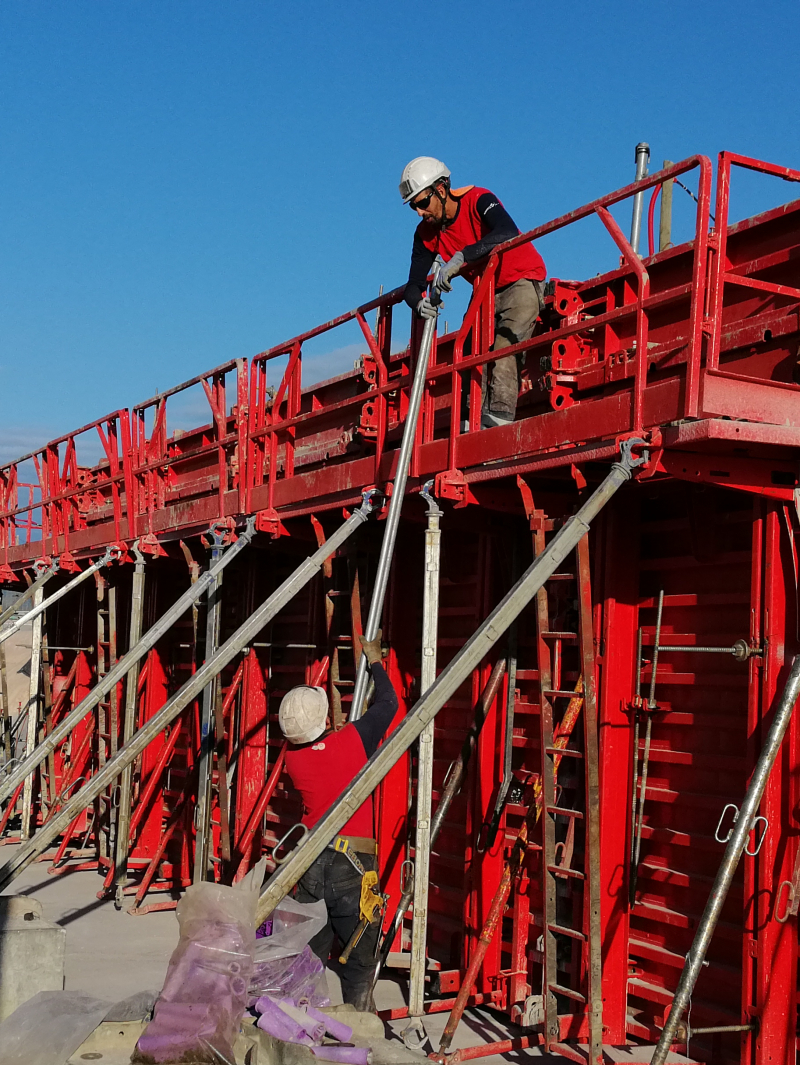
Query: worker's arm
{"type": "Point", "coordinates": [376, 720]}
{"type": "Point", "coordinates": [499, 223]}
{"type": "Point", "coordinates": [421, 263]}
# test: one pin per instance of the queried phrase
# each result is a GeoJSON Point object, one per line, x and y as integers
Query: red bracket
{"type": "Point", "coordinates": [7, 575]}
{"type": "Point", "coordinates": [452, 485]}
{"type": "Point", "coordinates": [268, 521]}
{"type": "Point", "coordinates": [536, 518]}
{"type": "Point", "coordinates": [149, 545]}
{"type": "Point", "coordinates": [68, 563]}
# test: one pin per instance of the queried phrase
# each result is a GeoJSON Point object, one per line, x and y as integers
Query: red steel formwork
{"type": "Point", "coordinates": [693, 349]}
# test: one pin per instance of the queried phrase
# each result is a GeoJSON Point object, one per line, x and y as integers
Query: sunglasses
{"type": "Point", "coordinates": [420, 205]}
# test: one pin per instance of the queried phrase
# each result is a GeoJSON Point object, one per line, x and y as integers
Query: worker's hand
{"type": "Point", "coordinates": [445, 271]}
{"type": "Point", "coordinates": [425, 309]}
{"type": "Point", "coordinates": [372, 648]}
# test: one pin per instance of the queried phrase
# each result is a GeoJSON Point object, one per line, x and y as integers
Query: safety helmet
{"type": "Point", "coordinates": [420, 174]}
{"type": "Point", "coordinates": [303, 713]}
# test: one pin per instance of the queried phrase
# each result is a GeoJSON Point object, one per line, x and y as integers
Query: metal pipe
{"type": "Point", "coordinates": [30, 591]}
{"type": "Point", "coordinates": [207, 735]}
{"type": "Point", "coordinates": [730, 860]}
{"type": "Point", "coordinates": [32, 711]}
{"type": "Point", "coordinates": [122, 842]}
{"type": "Point", "coordinates": [393, 517]}
{"type": "Point", "coordinates": [642, 159]}
{"type": "Point", "coordinates": [422, 850]}
{"type": "Point", "coordinates": [134, 655]}
{"type": "Point", "coordinates": [293, 584]}
{"type": "Point", "coordinates": [41, 605]}
{"type": "Point", "coordinates": [452, 785]}
{"type": "Point", "coordinates": [445, 685]}
{"type": "Point", "coordinates": [665, 219]}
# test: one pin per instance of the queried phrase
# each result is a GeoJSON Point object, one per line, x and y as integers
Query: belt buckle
{"type": "Point", "coordinates": [341, 845]}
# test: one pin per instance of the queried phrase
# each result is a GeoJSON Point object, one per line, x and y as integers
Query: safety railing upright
{"type": "Point", "coordinates": [171, 466]}
{"type": "Point", "coordinates": [72, 488]}
{"type": "Point", "coordinates": [276, 410]}
{"type": "Point", "coordinates": [724, 272]}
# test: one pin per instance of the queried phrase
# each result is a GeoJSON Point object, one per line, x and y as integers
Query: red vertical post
{"type": "Point", "coordinates": [617, 667]}
{"type": "Point", "coordinates": [776, 981]}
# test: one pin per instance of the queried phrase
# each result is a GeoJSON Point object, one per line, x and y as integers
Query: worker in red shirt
{"type": "Point", "coordinates": [461, 226]}
{"type": "Point", "coordinates": [322, 763]}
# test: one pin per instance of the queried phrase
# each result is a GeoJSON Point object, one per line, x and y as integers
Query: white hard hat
{"type": "Point", "coordinates": [303, 714]}
{"type": "Point", "coordinates": [420, 174]}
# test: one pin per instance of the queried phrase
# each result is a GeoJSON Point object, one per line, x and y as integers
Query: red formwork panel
{"type": "Point", "coordinates": [695, 350]}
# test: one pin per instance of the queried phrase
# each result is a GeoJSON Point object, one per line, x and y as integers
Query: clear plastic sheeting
{"type": "Point", "coordinates": [49, 1028]}
{"type": "Point", "coordinates": [284, 965]}
{"type": "Point", "coordinates": [199, 1010]}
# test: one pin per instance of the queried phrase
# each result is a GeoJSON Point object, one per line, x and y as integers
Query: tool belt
{"type": "Point", "coordinates": [359, 844]}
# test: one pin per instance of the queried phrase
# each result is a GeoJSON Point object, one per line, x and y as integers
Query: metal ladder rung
{"type": "Point", "coordinates": [564, 812]}
{"type": "Point", "coordinates": [561, 577]}
{"type": "Point", "coordinates": [567, 992]}
{"type": "Point", "coordinates": [568, 751]}
{"type": "Point", "coordinates": [560, 870]}
{"type": "Point", "coordinates": [558, 694]}
{"type": "Point", "coordinates": [573, 933]}
{"type": "Point", "coordinates": [559, 636]}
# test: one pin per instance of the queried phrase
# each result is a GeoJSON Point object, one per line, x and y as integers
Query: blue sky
{"type": "Point", "coordinates": [184, 182]}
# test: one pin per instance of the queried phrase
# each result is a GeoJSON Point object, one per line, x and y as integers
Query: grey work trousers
{"type": "Point", "coordinates": [332, 878]}
{"type": "Point", "coordinates": [516, 308]}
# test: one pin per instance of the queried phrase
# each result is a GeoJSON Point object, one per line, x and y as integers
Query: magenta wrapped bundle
{"type": "Point", "coordinates": [299, 977]}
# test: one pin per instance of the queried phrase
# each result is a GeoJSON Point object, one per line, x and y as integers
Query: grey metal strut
{"type": "Point", "coordinates": [393, 517]}
{"type": "Point", "coordinates": [243, 636]}
{"type": "Point", "coordinates": [730, 860]}
{"type": "Point", "coordinates": [444, 687]}
{"type": "Point", "coordinates": [136, 653]}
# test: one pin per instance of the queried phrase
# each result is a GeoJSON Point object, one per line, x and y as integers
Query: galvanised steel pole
{"type": "Point", "coordinates": [123, 667]}
{"type": "Point", "coordinates": [444, 687]}
{"type": "Point", "coordinates": [730, 861]}
{"type": "Point", "coordinates": [422, 849]}
{"type": "Point", "coordinates": [122, 842]}
{"type": "Point", "coordinates": [243, 636]}
{"type": "Point", "coordinates": [642, 159]}
{"type": "Point", "coordinates": [393, 517]}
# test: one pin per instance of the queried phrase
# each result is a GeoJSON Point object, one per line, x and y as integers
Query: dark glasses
{"type": "Point", "coordinates": [420, 205]}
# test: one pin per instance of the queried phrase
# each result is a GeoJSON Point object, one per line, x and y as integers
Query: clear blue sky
{"type": "Point", "coordinates": [185, 181]}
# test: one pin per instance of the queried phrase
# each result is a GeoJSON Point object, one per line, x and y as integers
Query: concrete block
{"type": "Point", "coordinates": [31, 952]}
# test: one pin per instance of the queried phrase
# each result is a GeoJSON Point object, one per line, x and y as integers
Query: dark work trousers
{"type": "Point", "coordinates": [516, 308]}
{"type": "Point", "coordinates": [333, 878]}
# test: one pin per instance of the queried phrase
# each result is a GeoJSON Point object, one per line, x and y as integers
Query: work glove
{"type": "Point", "coordinates": [372, 648]}
{"type": "Point", "coordinates": [425, 309]}
{"type": "Point", "coordinates": [444, 271]}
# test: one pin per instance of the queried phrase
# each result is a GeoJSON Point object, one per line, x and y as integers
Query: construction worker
{"type": "Point", "coordinates": [461, 226]}
{"type": "Point", "coordinates": [322, 763]}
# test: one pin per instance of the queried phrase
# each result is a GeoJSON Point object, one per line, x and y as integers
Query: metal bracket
{"type": "Point", "coordinates": [452, 485]}
{"type": "Point", "coordinates": [733, 806]}
{"type": "Point", "coordinates": [628, 462]}
{"type": "Point", "coordinates": [425, 493]}
{"type": "Point", "coordinates": [282, 841]}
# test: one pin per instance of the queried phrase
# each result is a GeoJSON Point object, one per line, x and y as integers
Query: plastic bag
{"type": "Point", "coordinates": [49, 1028]}
{"type": "Point", "coordinates": [200, 1007]}
{"type": "Point", "coordinates": [284, 965]}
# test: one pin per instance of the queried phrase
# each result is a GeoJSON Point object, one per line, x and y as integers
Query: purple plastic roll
{"type": "Point", "coordinates": [344, 1055]}
{"type": "Point", "coordinates": [276, 1023]}
{"type": "Point", "coordinates": [337, 1029]}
